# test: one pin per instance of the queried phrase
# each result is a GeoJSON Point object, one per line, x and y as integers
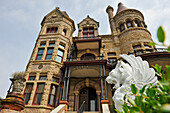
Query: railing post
{"type": "Point", "coordinates": [101, 80]}
{"type": "Point", "coordinates": [68, 79]}
{"type": "Point", "coordinates": [105, 82]}
{"type": "Point", "coordinates": [63, 95]}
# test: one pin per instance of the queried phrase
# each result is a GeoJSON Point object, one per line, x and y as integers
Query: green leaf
{"type": "Point", "coordinates": [143, 89]}
{"type": "Point", "coordinates": [167, 72]}
{"type": "Point", "coordinates": [117, 111]}
{"type": "Point", "coordinates": [161, 34]}
{"type": "Point", "coordinates": [131, 101]}
{"type": "Point", "coordinates": [152, 44]}
{"type": "Point", "coordinates": [134, 89]}
{"type": "Point", "coordinates": [168, 49]}
{"type": "Point", "coordinates": [134, 109]}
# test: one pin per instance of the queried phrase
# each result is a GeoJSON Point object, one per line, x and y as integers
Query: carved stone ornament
{"type": "Point", "coordinates": [18, 84]}
{"type": "Point", "coordinates": [135, 71]}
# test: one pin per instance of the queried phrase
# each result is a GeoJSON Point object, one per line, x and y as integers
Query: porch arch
{"type": "Point", "coordinates": [86, 83]}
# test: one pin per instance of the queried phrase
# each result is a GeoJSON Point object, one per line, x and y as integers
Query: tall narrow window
{"type": "Point", "coordinates": [39, 93]}
{"type": "Point", "coordinates": [60, 54]}
{"type": "Point", "coordinates": [49, 53]}
{"type": "Point", "coordinates": [40, 53]}
{"type": "Point", "coordinates": [122, 27]}
{"type": "Point", "coordinates": [52, 95]}
{"type": "Point", "coordinates": [137, 23]}
{"type": "Point", "coordinates": [129, 24]}
{"type": "Point", "coordinates": [88, 32]}
{"type": "Point", "coordinates": [64, 32]}
{"type": "Point", "coordinates": [27, 92]}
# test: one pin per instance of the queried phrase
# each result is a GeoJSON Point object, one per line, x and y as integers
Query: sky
{"type": "Point", "coordinates": [20, 25]}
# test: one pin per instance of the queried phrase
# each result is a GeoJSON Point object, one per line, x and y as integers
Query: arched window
{"type": "Point", "coordinates": [64, 32]}
{"type": "Point", "coordinates": [129, 24]}
{"type": "Point", "coordinates": [88, 56]}
{"type": "Point", "coordinates": [137, 23]}
{"type": "Point", "coordinates": [122, 27]}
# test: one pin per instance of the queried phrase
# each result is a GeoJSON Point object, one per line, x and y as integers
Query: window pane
{"type": "Point", "coordinates": [43, 78]}
{"type": "Point", "coordinates": [61, 46]}
{"type": "Point", "coordinates": [85, 29]}
{"type": "Point", "coordinates": [91, 35]}
{"type": "Point", "coordinates": [40, 51]}
{"type": "Point", "coordinates": [48, 57]}
{"type": "Point", "coordinates": [122, 27]}
{"type": "Point", "coordinates": [28, 88]}
{"type": "Point", "coordinates": [111, 54]}
{"type": "Point", "coordinates": [50, 51]}
{"type": "Point", "coordinates": [51, 100]}
{"type": "Point", "coordinates": [59, 59]}
{"type": "Point", "coordinates": [85, 35]}
{"type": "Point", "coordinates": [55, 79]}
{"type": "Point", "coordinates": [48, 30]}
{"type": "Point", "coordinates": [53, 89]}
{"type": "Point", "coordinates": [32, 78]}
{"type": "Point", "coordinates": [51, 43]}
{"type": "Point", "coordinates": [56, 29]}
{"type": "Point", "coordinates": [27, 98]}
{"type": "Point", "coordinates": [38, 98]}
{"type": "Point", "coordinates": [52, 30]}
{"type": "Point", "coordinates": [39, 57]}
{"type": "Point", "coordinates": [91, 29]}
{"type": "Point", "coordinates": [137, 46]}
{"type": "Point", "coordinates": [60, 53]}
{"type": "Point", "coordinates": [40, 88]}
{"type": "Point", "coordinates": [43, 44]}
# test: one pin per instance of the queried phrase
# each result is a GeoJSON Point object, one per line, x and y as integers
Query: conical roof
{"type": "Point", "coordinates": [121, 7]}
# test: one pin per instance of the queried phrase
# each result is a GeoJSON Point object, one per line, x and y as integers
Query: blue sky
{"type": "Point", "coordinates": [20, 25]}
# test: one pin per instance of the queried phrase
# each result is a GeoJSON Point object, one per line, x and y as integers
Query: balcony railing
{"type": "Point", "coordinates": [85, 38]}
{"type": "Point", "coordinates": [148, 50]}
{"type": "Point", "coordinates": [86, 59]}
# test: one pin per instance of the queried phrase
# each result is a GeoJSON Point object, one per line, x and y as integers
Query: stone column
{"type": "Point", "coordinates": [76, 100]}
{"type": "Point", "coordinates": [98, 100]}
{"type": "Point", "coordinates": [133, 23]}
{"type": "Point", "coordinates": [125, 25]}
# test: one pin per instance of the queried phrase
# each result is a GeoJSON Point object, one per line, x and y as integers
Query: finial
{"type": "Point", "coordinates": [120, 3]}
{"type": "Point", "coordinates": [109, 7]}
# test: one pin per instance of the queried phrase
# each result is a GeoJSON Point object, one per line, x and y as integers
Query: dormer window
{"type": "Point", "coordinates": [52, 30]}
{"type": "Point", "coordinates": [88, 32]}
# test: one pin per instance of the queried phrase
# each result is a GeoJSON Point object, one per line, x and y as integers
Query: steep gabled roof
{"type": "Point", "coordinates": [63, 13]}
{"type": "Point", "coordinates": [87, 18]}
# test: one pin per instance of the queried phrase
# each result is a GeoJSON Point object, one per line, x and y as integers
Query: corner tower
{"type": "Point", "coordinates": [130, 28]}
{"type": "Point", "coordinates": [43, 70]}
